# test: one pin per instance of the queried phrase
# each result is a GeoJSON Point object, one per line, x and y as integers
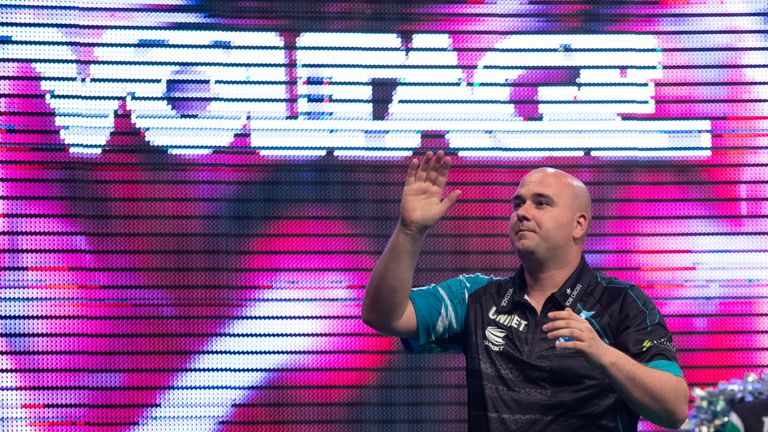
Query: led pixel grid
{"type": "Point", "coordinates": [194, 193]}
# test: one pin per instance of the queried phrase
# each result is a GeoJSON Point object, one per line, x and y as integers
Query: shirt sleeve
{"type": "Point", "coordinates": [643, 334]}
{"type": "Point", "coordinates": [441, 310]}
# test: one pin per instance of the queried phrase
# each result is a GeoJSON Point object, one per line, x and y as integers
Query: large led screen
{"type": "Point", "coordinates": [193, 193]}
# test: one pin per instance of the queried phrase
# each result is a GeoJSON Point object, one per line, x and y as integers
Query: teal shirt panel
{"type": "Point", "coordinates": [442, 308]}
{"type": "Point", "coordinates": [666, 366]}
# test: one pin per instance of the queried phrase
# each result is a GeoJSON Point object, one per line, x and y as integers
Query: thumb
{"type": "Point", "coordinates": [451, 199]}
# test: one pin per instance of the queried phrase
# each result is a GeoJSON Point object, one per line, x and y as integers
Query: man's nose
{"type": "Point", "coordinates": [521, 213]}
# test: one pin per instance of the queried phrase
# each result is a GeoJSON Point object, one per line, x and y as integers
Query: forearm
{"type": "Point", "coordinates": [386, 298]}
{"type": "Point", "coordinates": [386, 305]}
{"type": "Point", "coordinates": [656, 395]}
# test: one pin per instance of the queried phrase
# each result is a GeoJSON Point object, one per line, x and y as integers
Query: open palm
{"type": "Point", "coordinates": [422, 204]}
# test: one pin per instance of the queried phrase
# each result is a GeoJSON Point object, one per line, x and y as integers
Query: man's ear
{"type": "Point", "coordinates": [581, 224]}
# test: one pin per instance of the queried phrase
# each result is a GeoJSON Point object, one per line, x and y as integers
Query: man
{"type": "Point", "coordinates": [555, 347]}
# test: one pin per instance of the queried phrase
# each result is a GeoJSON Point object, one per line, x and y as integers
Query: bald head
{"type": "Point", "coordinates": [575, 190]}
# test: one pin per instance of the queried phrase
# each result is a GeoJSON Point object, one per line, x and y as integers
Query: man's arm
{"type": "Point", "coordinates": [654, 394]}
{"type": "Point", "coordinates": [386, 306]}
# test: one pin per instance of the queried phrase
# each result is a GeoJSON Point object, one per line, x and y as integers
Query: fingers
{"type": "Point", "coordinates": [554, 326]}
{"type": "Point", "coordinates": [424, 168]}
{"type": "Point", "coordinates": [451, 199]}
{"type": "Point", "coordinates": [565, 324]}
{"type": "Point", "coordinates": [433, 169]}
{"type": "Point", "coordinates": [441, 174]}
{"type": "Point", "coordinates": [568, 345]}
{"type": "Point", "coordinates": [567, 313]}
{"type": "Point", "coordinates": [558, 319]}
{"type": "Point", "coordinates": [413, 167]}
{"type": "Point", "coordinates": [570, 333]}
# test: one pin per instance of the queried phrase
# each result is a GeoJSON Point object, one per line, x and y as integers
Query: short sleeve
{"type": "Point", "coordinates": [441, 310]}
{"type": "Point", "coordinates": [643, 334]}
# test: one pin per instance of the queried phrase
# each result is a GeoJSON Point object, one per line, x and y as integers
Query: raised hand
{"type": "Point", "coordinates": [422, 204]}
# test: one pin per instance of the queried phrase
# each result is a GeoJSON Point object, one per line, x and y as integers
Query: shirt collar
{"type": "Point", "coordinates": [568, 295]}
{"type": "Point", "coordinates": [574, 287]}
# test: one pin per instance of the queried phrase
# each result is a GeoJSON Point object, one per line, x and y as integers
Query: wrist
{"type": "Point", "coordinates": [607, 358]}
{"type": "Point", "coordinates": [413, 232]}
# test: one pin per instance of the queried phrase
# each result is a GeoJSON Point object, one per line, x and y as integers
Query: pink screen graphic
{"type": "Point", "coordinates": [193, 194]}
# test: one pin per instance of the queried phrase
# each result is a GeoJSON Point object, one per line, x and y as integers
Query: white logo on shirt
{"type": "Point", "coordinates": [506, 297]}
{"type": "Point", "coordinates": [513, 321]}
{"type": "Point", "coordinates": [573, 294]}
{"type": "Point", "coordinates": [495, 338]}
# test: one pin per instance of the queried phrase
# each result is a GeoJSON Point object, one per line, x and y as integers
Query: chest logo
{"type": "Point", "coordinates": [513, 321]}
{"type": "Point", "coordinates": [665, 342]}
{"type": "Point", "coordinates": [572, 293]}
{"type": "Point", "coordinates": [494, 338]}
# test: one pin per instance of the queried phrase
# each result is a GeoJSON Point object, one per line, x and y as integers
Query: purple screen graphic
{"type": "Point", "coordinates": [194, 192]}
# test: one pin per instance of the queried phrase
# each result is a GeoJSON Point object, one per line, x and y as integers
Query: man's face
{"type": "Point", "coordinates": [543, 218]}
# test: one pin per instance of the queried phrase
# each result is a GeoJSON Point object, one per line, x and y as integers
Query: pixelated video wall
{"type": "Point", "coordinates": [193, 193]}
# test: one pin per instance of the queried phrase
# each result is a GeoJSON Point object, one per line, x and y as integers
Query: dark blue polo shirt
{"type": "Point", "coordinates": [517, 380]}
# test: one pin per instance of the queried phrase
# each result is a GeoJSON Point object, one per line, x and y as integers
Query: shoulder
{"type": "Point", "coordinates": [468, 283]}
{"type": "Point", "coordinates": [628, 301]}
{"type": "Point", "coordinates": [617, 289]}
{"type": "Point", "coordinates": [611, 282]}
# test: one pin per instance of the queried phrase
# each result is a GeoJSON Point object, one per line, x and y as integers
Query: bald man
{"type": "Point", "coordinates": [555, 347]}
